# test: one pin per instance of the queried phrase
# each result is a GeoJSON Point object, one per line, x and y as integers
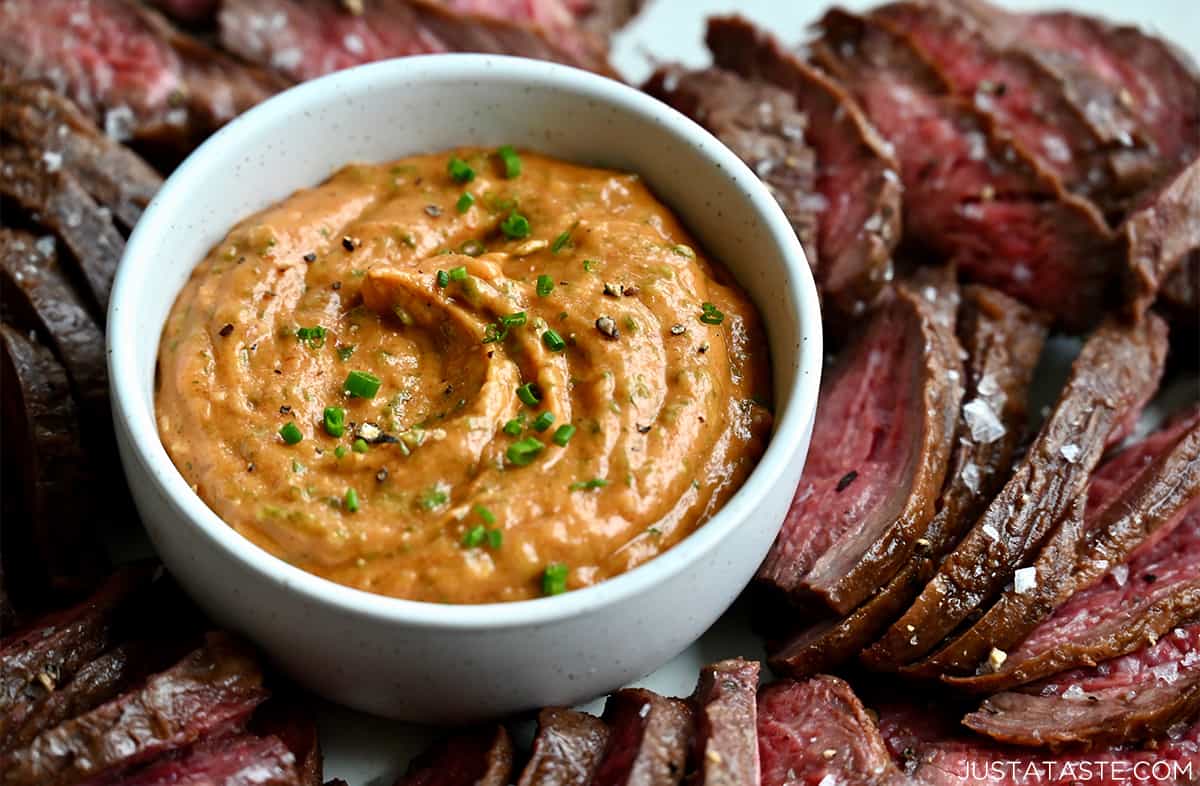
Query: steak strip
{"type": "Point", "coordinates": [857, 175]}
{"type": "Point", "coordinates": [477, 757]}
{"type": "Point", "coordinates": [843, 539]}
{"type": "Point", "coordinates": [972, 194]}
{"type": "Point", "coordinates": [725, 748]}
{"type": "Point", "coordinates": [1003, 340]}
{"type": "Point", "coordinates": [1111, 380]}
{"type": "Point", "coordinates": [649, 738]}
{"type": "Point", "coordinates": [1160, 234]}
{"type": "Point", "coordinates": [240, 760]}
{"type": "Point", "coordinates": [566, 750]}
{"type": "Point", "coordinates": [1079, 552]}
{"type": "Point", "coordinates": [1132, 698]}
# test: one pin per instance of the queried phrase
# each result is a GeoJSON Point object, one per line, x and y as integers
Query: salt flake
{"type": "Point", "coordinates": [52, 160]}
{"type": "Point", "coordinates": [1070, 452]}
{"type": "Point", "coordinates": [984, 425]}
{"type": "Point", "coordinates": [1024, 580]}
{"type": "Point", "coordinates": [1073, 692]}
{"type": "Point", "coordinates": [970, 476]}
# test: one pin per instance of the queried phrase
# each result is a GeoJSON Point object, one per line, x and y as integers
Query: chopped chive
{"type": "Point", "coordinates": [359, 446]}
{"type": "Point", "coordinates": [543, 421]}
{"type": "Point", "coordinates": [433, 498]}
{"type": "Point", "coordinates": [553, 341]}
{"type": "Point", "coordinates": [513, 428]}
{"type": "Point", "coordinates": [472, 247]}
{"type": "Point", "coordinates": [516, 226]}
{"type": "Point", "coordinates": [710, 314]}
{"type": "Point", "coordinates": [458, 273]}
{"type": "Point", "coordinates": [464, 202]}
{"type": "Point", "coordinates": [335, 421]}
{"type": "Point", "coordinates": [515, 319]}
{"type": "Point", "coordinates": [512, 161]}
{"type": "Point", "coordinates": [352, 500]}
{"type": "Point", "coordinates": [587, 485]}
{"type": "Point", "coordinates": [313, 336]}
{"type": "Point", "coordinates": [362, 384]}
{"type": "Point", "coordinates": [291, 433]}
{"type": "Point", "coordinates": [523, 451]}
{"type": "Point", "coordinates": [545, 285]}
{"type": "Point", "coordinates": [563, 434]}
{"type": "Point", "coordinates": [589, 265]}
{"type": "Point", "coordinates": [443, 279]}
{"type": "Point", "coordinates": [474, 537]}
{"type": "Point", "coordinates": [560, 241]}
{"type": "Point", "coordinates": [495, 538]}
{"type": "Point", "coordinates": [529, 394]}
{"type": "Point", "coordinates": [554, 579]}
{"type": "Point", "coordinates": [460, 171]}
{"type": "Point", "coordinates": [340, 451]}
{"type": "Point", "coordinates": [486, 515]}
{"type": "Point", "coordinates": [345, 352]}
{"type": "Point", "coordinates": [493, 333]}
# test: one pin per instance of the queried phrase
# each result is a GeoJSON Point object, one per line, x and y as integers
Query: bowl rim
{"type": "Point", "coordinates": [140, 422]}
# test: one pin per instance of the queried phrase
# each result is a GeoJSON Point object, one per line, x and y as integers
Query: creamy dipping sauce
{"type": "Point", "coordinates": [466, 377]}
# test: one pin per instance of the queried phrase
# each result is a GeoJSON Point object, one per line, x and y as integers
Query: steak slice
{"type": "Point", "coordinates": [211, 691]}
{"type": "Point", "coordinates": [239, 760]}
{"type": "Point", "coordinates": [857, 175]}
{"type": "Point", "coordinates": [816, 733]}
{"type": "Point", "coordinates": [1134, 697]}
{"type": "Point", "coordinates": [304, 39]}
{"type": "Point", "coordinates": [566, 750]}
{"type": "Point", "coordinates": [1111, 380]}
{"type": "Point", "coordinates": [478, 757]}
{"type": "Point", "coordinates": [42, 120]}
{"type": "Point", "coordinates": [54, 199]}
{"type": "Point", "coordinates": [648, 742]}
{"type": "Point", "coordinates": [1003, 340]}
{"type": "Point", "coordinates": [761, 124]}
{"type": "Point", "coordinates": [288, 719]}
{"type": "Point", "coordinates": [886, 416]}
{"type": "Point", "coordinates": [1132, 503]}
{"type": "Point", "coordinates": [725, 748]}
{"type": "Point", "coordinates": [56, 543]}
{"type": "Point", "coordinates": [1159, 234]}
{"type": "Point", "coordinates": [972, 195]}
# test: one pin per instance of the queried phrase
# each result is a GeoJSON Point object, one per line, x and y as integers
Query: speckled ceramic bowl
{"type": "Point", "coordinates": [427, 662]}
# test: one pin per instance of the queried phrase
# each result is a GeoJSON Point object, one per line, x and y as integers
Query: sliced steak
{"type": "Point", "coordinates": [56, 543]}
{"type": "Point", "coordinates": [239, 760]}
{"type": "Point", "coordinates": [1003, 340]}
{"type": "Point", "coordinates": [857, 176]}
{"type": "Point", "coordinates": [566, 750]}
{"type": "Point", "coordinates": [1111, 380]}
{"type": "Point", "coordinates": [42, 120]}
{"type": "Point", "coordinates": [54, 199]}
{"type": "Point", "coordinates": [479, 757]}
{"type": "Point", "coordinates": [816, 733]}
{"type": "Point", "coordinates": [725, 748]}
{"type": "Point", "coordinates": [1134, 697]}
{"type": "Point", "coordinates": [972, 195]}
{"type": "Point", "coordinates": [211, 691]}
{"type": "Point", "coordinates": [304, 39]}
{"type": "Point", "coordinates": [1132, 503]}
{"type": "Point", "coordinates": [886, 419]}
{"type": "Point", "coordinates": [761, 124]}
{"type": "Point", "coordinates": [648, 742]}
{"type": "Point", "coordinates": [288, 718]}
{"type": "Point", "coordinates": [1159, 234]}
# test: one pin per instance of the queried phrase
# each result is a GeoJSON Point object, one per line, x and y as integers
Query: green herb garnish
{"type": "Point", "coordinates": [523, 451]}
{"type": "Point", "coordinates": [563, 434]}
{"type": "Point", "coordinates": [545, 285]}
{"type": "Point", "coordinates": [361, 384]}
{"type": "Point", "coordinates": [516, 226]}
{"type": "Point", "coordinates": [512, 161]}
{"type": "Point", "coordinates": [460, 171]}
{"type": "Point", "coordinates": [314, 337]}
{"type": "Point", "coordinates": [553, 341]}
{"type": "Point", "coordinates": [710, 314]}
{"type": "Point", "coordinates": [352, 500]}
{"type": "Point", "coordinates": [335, 421]}
{"type": "Point", "coordinates": [554, 579]}
{"type": "Point", "coordinates": [587, 485]}
{"type": "Point", "coordinates": [529, 394]}
{"type": "Point", "coordinates": [291, 433]}
{"type": "Point", "coordinates": [464, 202]}
{"type": "Point", "coordinates": [543, 421]}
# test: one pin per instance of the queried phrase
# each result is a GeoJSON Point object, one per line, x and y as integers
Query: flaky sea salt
{"type": "Point", "coordinates": [1070, 452]}
{"type": "Point", "coordinates": [982, 421]}
{"type": "Point", "coordinates": [1167, 672]}
{"type": "Point", "coordinates": [45, 245]}
{"type": "Point", "coordinates": [354, 44]}
{"type": "Point", "coordinates": [1073, 692]}
{"type": "Point", "coordinates": [52, 160]}
{"type": "Point", "coordinates": [970, 476]}
{"type": "Point", "coordinates": [1024, 580]}
{"type": "Point", "coordinates": [1120, 575]}
{"type": "Point", "coordinates": [118, 123]}
{"type": "Point", "coordinates": [991, 532]}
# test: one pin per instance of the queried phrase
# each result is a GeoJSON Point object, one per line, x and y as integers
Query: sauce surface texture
{"type": "Point", "coordinates": [542, 384]}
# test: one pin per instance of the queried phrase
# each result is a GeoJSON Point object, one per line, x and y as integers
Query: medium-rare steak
{"type": "Point", "coordinates": [857, 176]}
{"type": "Point", "coordinates": [55, 544]}
{"type": "Point", "coordinates": [817, 733]}
{"type": "Point", "coordinates": [1113, 377]}
{"type": "Point", "coordinates": [304, 39]}
{"type": "Point", "coordinates": [54, 199]}
{"type": "Point", "coordinates": [725, 747]}
{"type": "Point", "coordinates": [648, 742]}
{"type": "Point", "coordinates": [211, 691]}
{"type": "Point", "coordinates": [479, 757]}
{"type": "Point", "coordinates": [1159, 234]}
{"type": "Point", "coordinates": [761, 124]}
{"type": "Point", "coordinates": [42, 120]}
{"type": "Point", "coordinates": [566, 750]}
{"type": "Point", "coordinates": [972, 195]}
{"type": "Point", "coordinates": [1132, 503]}
{"type": "Point", "coordinates": [886, 423]}
{"type": "Point", "coordinates": [240, 760]}
{"type": "Point", "coordinates": [1002, 339]}
{"type": "Point", "coordinates": [1134, 697]}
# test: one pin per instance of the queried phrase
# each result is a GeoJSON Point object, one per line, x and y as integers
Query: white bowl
{"type": "Point", "coordinates": [428, 662]}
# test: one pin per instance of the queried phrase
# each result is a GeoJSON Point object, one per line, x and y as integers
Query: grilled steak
{"type": "Point", "coordinates": [816, 733]}
{"type": "Point", "coordinates": [1134, 697]}
{"type": "Point", "coordinates": [566, 750]}
{"type": "Point", "coordinates": [725, 748]}
{"type": "Point", "coordinates": [1140, 502]}
{"type": "Point", "coordinates": [240, 760]}
{"type": "Point", "coordinates": [1113, 377]}
{"type": "Point", "coordinates": [865, 499]}
{"type": "Point", "coordinates": [857, 176]}
{"type": "Point", "coordinates": [648, 742]}
{"type": "Point", "coordinates": [759, 122]}
{"type": "Point", "coordinates": [972, 195]}
{"type": "Point", "coordinates": [211, 691]}
{"type": "Point", "coordinates": [304, 39]}
{"type": "Point", "coordinates": [287, 718]}
{"type": "Point", "coordinates": [479, 757]}
{"type": "Point", "coordinates": [1160, 233]}
{"type": "Point", "coordinates": [1003, 340]}
{"type": "Point", "coordinates": [55, 543]}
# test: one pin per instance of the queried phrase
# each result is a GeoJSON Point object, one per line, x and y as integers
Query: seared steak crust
{"type": "Point", "coordinates": [725, 748]}
{"type": "Point", "coordinates": [649, 738]}
{"type": "Point", "coordinates": [1159, 235]}
{"type": "Point", "coordinates": [566, 750]}
{"type": "Point", "coordinates": [478, 757]}
{"type": "Point", "coordinates": [239, 760]}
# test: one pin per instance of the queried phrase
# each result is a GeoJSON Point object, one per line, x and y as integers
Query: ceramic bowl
{"type": "Point", "coordinates": [439, 663]}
